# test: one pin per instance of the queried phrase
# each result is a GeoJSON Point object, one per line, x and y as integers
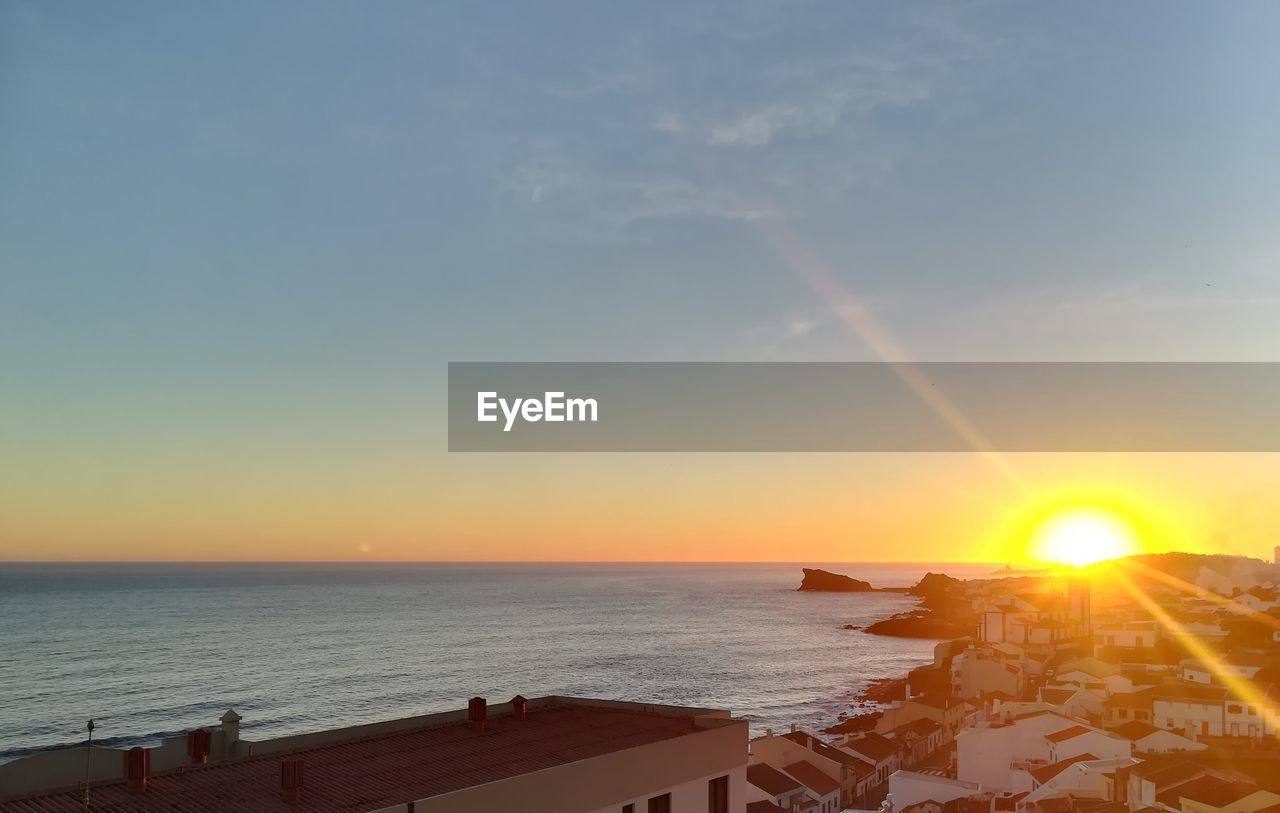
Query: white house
{"type": "Point", "coordinates": [1147, 739]}
{"type": "Point", "coordinates": [877, 750]}
{"type": "Point", "coordinates": [982, 670]}
{"type": "Point", "coordinates": [765, 782]}
{"type": "Point", "coordinates": [1083, 739]}
{"type": "Point", "coordinates": [1076, 778]}
{"type": "Point", "coordinates": [1092, 674]}
{"type": "Point", "coordinates": [822, 789]}
{"type": "Point", "coordinates": [1259, 599]}
{"type": "Point", "coordinates": [999, 757]}
{"type": "Point", "coordinates": [908, 788]}
{"type": "Point", "coordinates": [854, 775]}
{"type": "Point", "coordinates": [1130, 635]}
{"type": "Point", "coordinates": [1074, 701]}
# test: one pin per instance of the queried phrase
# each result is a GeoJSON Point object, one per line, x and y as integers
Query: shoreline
{"type": "Point", "coordinates": [933, 617]}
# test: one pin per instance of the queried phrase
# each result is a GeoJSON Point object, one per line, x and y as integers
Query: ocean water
{"type": "Point", "coordinates": [150, 650]}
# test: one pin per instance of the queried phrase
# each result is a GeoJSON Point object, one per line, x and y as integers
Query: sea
{"type": "Point", "coordinates": [150, 650]}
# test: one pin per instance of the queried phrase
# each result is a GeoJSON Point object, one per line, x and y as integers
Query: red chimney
{"type": "Point", "coordinates": [519, 706]}
{"type": "Point", "coordinates": [199, 744]}
{"type": "Point", "coordinates": [477, 710]}
{"type": "Point", "coordinates": [291, 771]}
{"type": "Point", "coordinates": [137, 766]}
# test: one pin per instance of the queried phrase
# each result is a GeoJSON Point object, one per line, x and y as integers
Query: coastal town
{"type": "Point", "coordinates": [1133, 688]}
{"type": "Point", "coordinates": [1146, 685]}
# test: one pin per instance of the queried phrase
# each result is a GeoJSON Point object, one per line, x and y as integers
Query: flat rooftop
{"type": "Point", "coordinates": [373, 772]}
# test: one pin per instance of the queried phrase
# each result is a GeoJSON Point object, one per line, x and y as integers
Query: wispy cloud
{"type": "Point", "coordinates": [743, 132]}
{"type": "Point", "coordinates": [816, 95]}
{"type": "Point", "coordinates": [669, 123]}
{"type": "Point", "coordinates": [598, 84]}
{"type": "Point", "coordinates": [757, 128]}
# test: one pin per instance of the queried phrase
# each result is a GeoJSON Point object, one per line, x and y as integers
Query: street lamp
{"type": "Point", "coordinates": [88, 752]}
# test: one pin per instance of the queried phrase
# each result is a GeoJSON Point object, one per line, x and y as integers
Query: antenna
{"type": "Point", "coordinates": [88, 752]}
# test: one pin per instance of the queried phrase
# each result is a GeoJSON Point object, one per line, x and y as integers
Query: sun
{"type": "Point", "coordinates": [1082, 536]}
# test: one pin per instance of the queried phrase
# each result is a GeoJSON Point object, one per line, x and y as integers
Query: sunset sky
{"type": "Point", "coordinates": [239, 242]}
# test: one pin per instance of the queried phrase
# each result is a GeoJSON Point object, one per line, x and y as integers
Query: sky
{"type": "Point", "coordinates": [239, 242]}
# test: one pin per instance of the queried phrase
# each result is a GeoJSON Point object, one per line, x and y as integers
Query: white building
{"type": "Point", "coordinates": [1076, 779]}
{"type": "Point", "coordinates": [1129, 635]}
{"type": "Point", "coordinates": [1213, 711]}
{"type": "Point", "coordinates": [546, 755]}
{"type": "Point", "coordinates": [765, 782]}
{"type": "Point", "coordinates": [1092, 674]}
{"type": "Point", "coordinates": [1259, 599]}
{"type": "Point", "coordinates": [1147, 739]}
{"type": "Point", "coordinates": [854, 775]}
{"type": "Point", "coordinates": [823, 791]}
{"type": "Point", "coordinates": [1073, 700]}
{"type": "Point", "coordinates": [1084, 739]}
{"type": "Point", "coordinates": [908, 788]}
{"type": "Point", "coordinates": [1000, 757]}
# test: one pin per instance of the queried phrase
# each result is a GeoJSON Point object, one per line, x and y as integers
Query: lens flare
{"type": "Point", "coordinates": [1082, 537]}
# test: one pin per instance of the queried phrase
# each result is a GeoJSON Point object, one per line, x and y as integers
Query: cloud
{"type": "Point", "coordinates": [940, 56]}
{"type": "Point", "coordinates": [802, 334]}
{"type": "Point", "coordinates": [618, 82]}
{"type": "Point", "coordinates": [756, 128]}
{"type": "Point", "coordinates": [556, 195]}
{"type": "Point", "coordinates": [673, 197]}
{"type": "Point", "coordinates": [801, 327]}
{"type": "Point", "coordinates": [669, 123]}
{"type": "Point", "coordinates": [691, 138]}
{"type": "Point", "coordinates": [818, 98]}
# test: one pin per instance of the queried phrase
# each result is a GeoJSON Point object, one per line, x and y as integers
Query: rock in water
{"type": "Point", "coordinates": [824, 581]}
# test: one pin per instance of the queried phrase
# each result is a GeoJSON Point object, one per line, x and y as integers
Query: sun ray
{"type": "Point", "coordinates": [1243, 688]}
{"type": "Point", "coordinates": [1205, 594]}
{"type": "Point", "coordinates": [858, 317]}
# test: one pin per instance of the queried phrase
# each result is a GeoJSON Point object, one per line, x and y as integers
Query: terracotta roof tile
{"type": "Point", "coordinates": [770, 780]}
{"type": "Point", "coordinates": [1067, 733]}
{"type": "Point", "coordinates": [812, 777]}
{"type": "Point", "coordinates": [1048, 772]}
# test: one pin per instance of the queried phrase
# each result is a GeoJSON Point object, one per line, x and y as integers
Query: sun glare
{"type": "Point", "coordinates": [1082, 537]}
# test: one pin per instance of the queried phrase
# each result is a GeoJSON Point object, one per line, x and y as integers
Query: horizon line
{"type": "Point", "coordinates": [490, 562]}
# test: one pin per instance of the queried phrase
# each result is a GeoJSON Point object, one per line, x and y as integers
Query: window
{"type": "Point", "coordinates": [718, 795]}
{"type": "Point", "coordinates": [628, 809]}
{"type": "Point", "coordinates": [660, 804]}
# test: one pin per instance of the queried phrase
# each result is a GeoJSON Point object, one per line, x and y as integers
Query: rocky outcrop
{"type": "Point", "coordinates": [824, 581]}
{"type": "Point", "coordinates": [944, 612]}
{"type": "Point", "coordinates": [920, 624]}
{"type": "Point", "coordinates": [935, 584]}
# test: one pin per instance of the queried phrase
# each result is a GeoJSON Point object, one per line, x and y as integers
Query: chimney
{"type": "Point", "coordinates": [519, 706]}
{"type": "Point", "coordinates": [198, 746]}
{"type": "Point", "coordinates": [137, 766]}
{"type": "Point", "coordinates": [768, 733]}
{"type": "Point", "coordinates": [291, 771]}
{"type": "Point", "coordinates": [477, 710]}
{"type": "Point", "coordinates": [231, 728]}
{"type": "Point", "coordinates": [793, 728]}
